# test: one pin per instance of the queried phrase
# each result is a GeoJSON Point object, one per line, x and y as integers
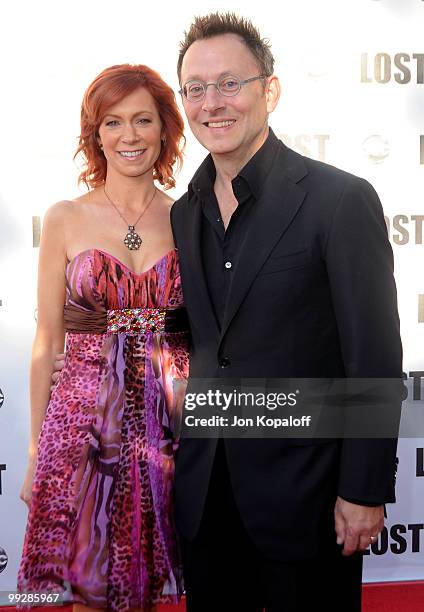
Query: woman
{"type": "Point", "coordinates": [100, 524]}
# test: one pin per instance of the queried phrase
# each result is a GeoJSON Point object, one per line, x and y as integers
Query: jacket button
{"type": "Point", "coordinates": [224, 362]}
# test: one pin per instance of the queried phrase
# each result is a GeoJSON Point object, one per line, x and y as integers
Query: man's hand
{"type": "Point", "coordinates": [356, 524]}
{"type": "Point", "coordinates": [59, 362]}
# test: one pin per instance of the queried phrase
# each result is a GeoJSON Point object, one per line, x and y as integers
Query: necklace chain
{"type": "Point", "coordinates": [132, 240]}
{"type": "Point", "coordinates": [122, 216]}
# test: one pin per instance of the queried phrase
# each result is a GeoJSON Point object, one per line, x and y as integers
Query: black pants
{"type": "Point", "coordinates": [224, 571]}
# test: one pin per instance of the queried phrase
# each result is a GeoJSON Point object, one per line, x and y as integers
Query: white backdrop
{"type": "Point", "coordinates": [353, 95]}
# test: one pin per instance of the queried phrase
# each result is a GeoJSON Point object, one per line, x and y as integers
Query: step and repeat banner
{"type": "Point", "coordinates": [352, 96]}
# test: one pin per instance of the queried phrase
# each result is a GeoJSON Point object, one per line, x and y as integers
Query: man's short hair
{"type": "Point", "coordinates": [216, 24]}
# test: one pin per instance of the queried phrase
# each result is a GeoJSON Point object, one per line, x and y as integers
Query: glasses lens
{"type": "Point", "coordinates": [229, 85]}
{"type": "Point", "coordinates": [194, 90]}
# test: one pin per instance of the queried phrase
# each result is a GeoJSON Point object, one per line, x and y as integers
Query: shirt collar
{"type": "Point", "coordinates": [252, 176]}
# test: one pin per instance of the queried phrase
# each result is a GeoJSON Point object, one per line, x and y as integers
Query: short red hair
{"type": "Point", "coordinates": [109, 88]}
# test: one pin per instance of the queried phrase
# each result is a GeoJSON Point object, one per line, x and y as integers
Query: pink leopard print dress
{"type": "Point", "coordinates": [100, 526]}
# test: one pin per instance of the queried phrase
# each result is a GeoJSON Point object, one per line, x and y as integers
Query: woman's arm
{"type": "Point", "coordinates": [49, 337]}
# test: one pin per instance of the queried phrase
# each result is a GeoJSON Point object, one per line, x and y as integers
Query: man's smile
{"type": "Point", "coordinates": [219, 124]}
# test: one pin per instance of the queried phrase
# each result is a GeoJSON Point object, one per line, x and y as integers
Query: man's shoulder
{"type": "Point", "coordinates": [181, 200]}
{"type": "Point", "coordinates": [332, 175]}
{"type": "Point", "coordinates": [179, 205]}
{"type": "Point", "coordinates": [327, 188]}
{"type": "Point", "coordinates": [318, 173]}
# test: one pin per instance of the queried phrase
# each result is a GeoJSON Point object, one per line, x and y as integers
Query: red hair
{"type": "Point", "coordinates": [109, 88]}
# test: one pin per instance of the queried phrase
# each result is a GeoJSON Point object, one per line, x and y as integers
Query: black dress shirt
{"type": "Point", "coordinates": [221, 246]}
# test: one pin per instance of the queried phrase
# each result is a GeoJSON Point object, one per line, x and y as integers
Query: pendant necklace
{"type": "Point", "coordinates": [132, 240]}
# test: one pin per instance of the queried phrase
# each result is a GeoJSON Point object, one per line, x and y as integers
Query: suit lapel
{"type": "Point", "coordinates": [273, 213]}
{"type": "Point", "coordinates": [195, 289]}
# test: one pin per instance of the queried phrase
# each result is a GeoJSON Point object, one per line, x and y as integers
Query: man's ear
{"type": "Point", "coordinates": [272, 92]}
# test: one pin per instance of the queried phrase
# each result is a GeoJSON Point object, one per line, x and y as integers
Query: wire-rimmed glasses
{"type": "Point", "coordinates": [228, 85]}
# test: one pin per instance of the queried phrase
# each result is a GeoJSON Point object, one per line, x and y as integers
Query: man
{"type": "Point", "coordinates": [287, 272]}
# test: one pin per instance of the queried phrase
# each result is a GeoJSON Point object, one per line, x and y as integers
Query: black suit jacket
{"type": "Point", "coordinates": [313, 296]}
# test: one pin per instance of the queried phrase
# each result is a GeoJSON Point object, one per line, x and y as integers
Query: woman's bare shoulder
{"type": "Point", "coordinates": [93, 195]}
{"type": "Point", "coordinates": [58, 212]}
{"type": "Point", "coordinates": [165, 198]}
{"type": "Point", "coordinates": [64, 209]}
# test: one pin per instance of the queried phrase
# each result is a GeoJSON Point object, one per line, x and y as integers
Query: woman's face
{"type": "Point", "coordinates": [130, 134]}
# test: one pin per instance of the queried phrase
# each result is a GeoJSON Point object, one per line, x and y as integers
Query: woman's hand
{"type": "Point", "coordinates": [26, 490]}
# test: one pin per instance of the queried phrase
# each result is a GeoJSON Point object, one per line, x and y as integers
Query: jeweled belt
{"type": "Point", "coordinates": [125, 320]}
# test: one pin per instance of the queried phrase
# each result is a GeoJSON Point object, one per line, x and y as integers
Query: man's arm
{"type": "Point", "coordinates": [360, 268]}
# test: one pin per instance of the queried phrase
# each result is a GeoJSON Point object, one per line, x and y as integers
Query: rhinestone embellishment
{"type": "Point", "coordinates": [136, 320]}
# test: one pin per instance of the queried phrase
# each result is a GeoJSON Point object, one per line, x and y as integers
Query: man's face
{"type": "Point", "coordinates": [245, 115]}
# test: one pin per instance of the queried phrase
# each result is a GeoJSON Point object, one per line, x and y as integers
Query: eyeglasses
{"type": "Point", "coordinates": [229, 85]}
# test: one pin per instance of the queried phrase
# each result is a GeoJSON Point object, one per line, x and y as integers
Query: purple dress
{"type": "Point", "coordinates": [100, 525]}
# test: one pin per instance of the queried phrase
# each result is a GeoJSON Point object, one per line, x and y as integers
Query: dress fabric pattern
{"type": "Point", "coordinates": [100, 526]}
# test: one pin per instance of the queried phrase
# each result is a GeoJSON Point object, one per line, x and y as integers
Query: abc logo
{"type": "Point", "coordinates": [3, 560]}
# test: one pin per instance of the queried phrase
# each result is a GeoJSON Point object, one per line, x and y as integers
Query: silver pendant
{"type": "Point", "coordinates": [132, 240]}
